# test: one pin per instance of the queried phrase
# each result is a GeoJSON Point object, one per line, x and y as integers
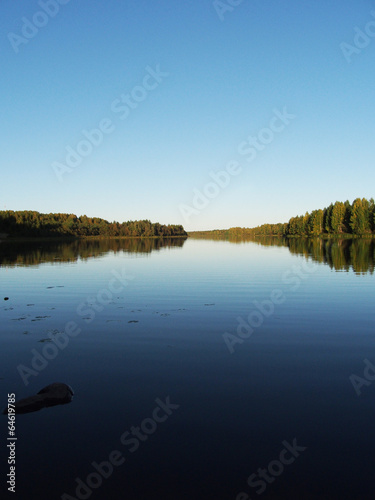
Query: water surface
{"type": "Point", "coordinates": [154, 320]}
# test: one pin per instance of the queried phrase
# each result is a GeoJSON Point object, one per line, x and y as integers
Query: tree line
{"type": "Point", "coordinates": [340, 218]}
{"type": "Point", "coordinates": [34, 224]}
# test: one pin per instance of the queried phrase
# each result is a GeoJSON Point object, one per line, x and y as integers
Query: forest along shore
{"type": "Point", "coordinates": [34, 224]}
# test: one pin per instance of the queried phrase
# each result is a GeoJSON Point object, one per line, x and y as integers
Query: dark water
{"type": "Point", "coordinates": [174, 386]}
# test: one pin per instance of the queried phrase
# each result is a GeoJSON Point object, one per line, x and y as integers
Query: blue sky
{"type": "Point", "coordinates": [225, 72]}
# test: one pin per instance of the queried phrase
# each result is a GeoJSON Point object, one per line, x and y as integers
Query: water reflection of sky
{"type": "Point", "coordinates": [162, 334]}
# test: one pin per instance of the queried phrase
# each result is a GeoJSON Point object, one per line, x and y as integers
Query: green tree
{"type": "Point", "coordinates": [360, 216]}
{"type": "Point", "coordinates": [315, 224]}
{"type": "Point", "coordinates": [338, 217]}
{"type": "Point", "coordinates": [327, 219]}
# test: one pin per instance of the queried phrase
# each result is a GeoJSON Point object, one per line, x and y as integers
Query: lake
{"type": "Point", "coordinates": [201, 369]}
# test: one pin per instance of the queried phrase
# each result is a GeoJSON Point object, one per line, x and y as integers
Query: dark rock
{"type": "Point", "coordinates": [51, 395]}
{"type": "Point", "coordinates": [6, 298]}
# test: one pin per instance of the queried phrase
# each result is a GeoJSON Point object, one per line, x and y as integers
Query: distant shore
{"type": "Point", "coordinates": [227, 233]}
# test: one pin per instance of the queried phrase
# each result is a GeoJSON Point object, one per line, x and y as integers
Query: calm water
{"type": "Point", "coordinates": [166, 325]}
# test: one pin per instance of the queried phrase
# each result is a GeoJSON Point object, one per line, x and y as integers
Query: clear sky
{"type": "Point", "coordinates": [179, 88]}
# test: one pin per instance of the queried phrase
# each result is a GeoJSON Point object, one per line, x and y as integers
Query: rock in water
{"type": "Point", "coordinates": [51, 395]}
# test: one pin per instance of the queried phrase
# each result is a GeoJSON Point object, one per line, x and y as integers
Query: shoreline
{"type": "Point", "coordinates": [80, 238]}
